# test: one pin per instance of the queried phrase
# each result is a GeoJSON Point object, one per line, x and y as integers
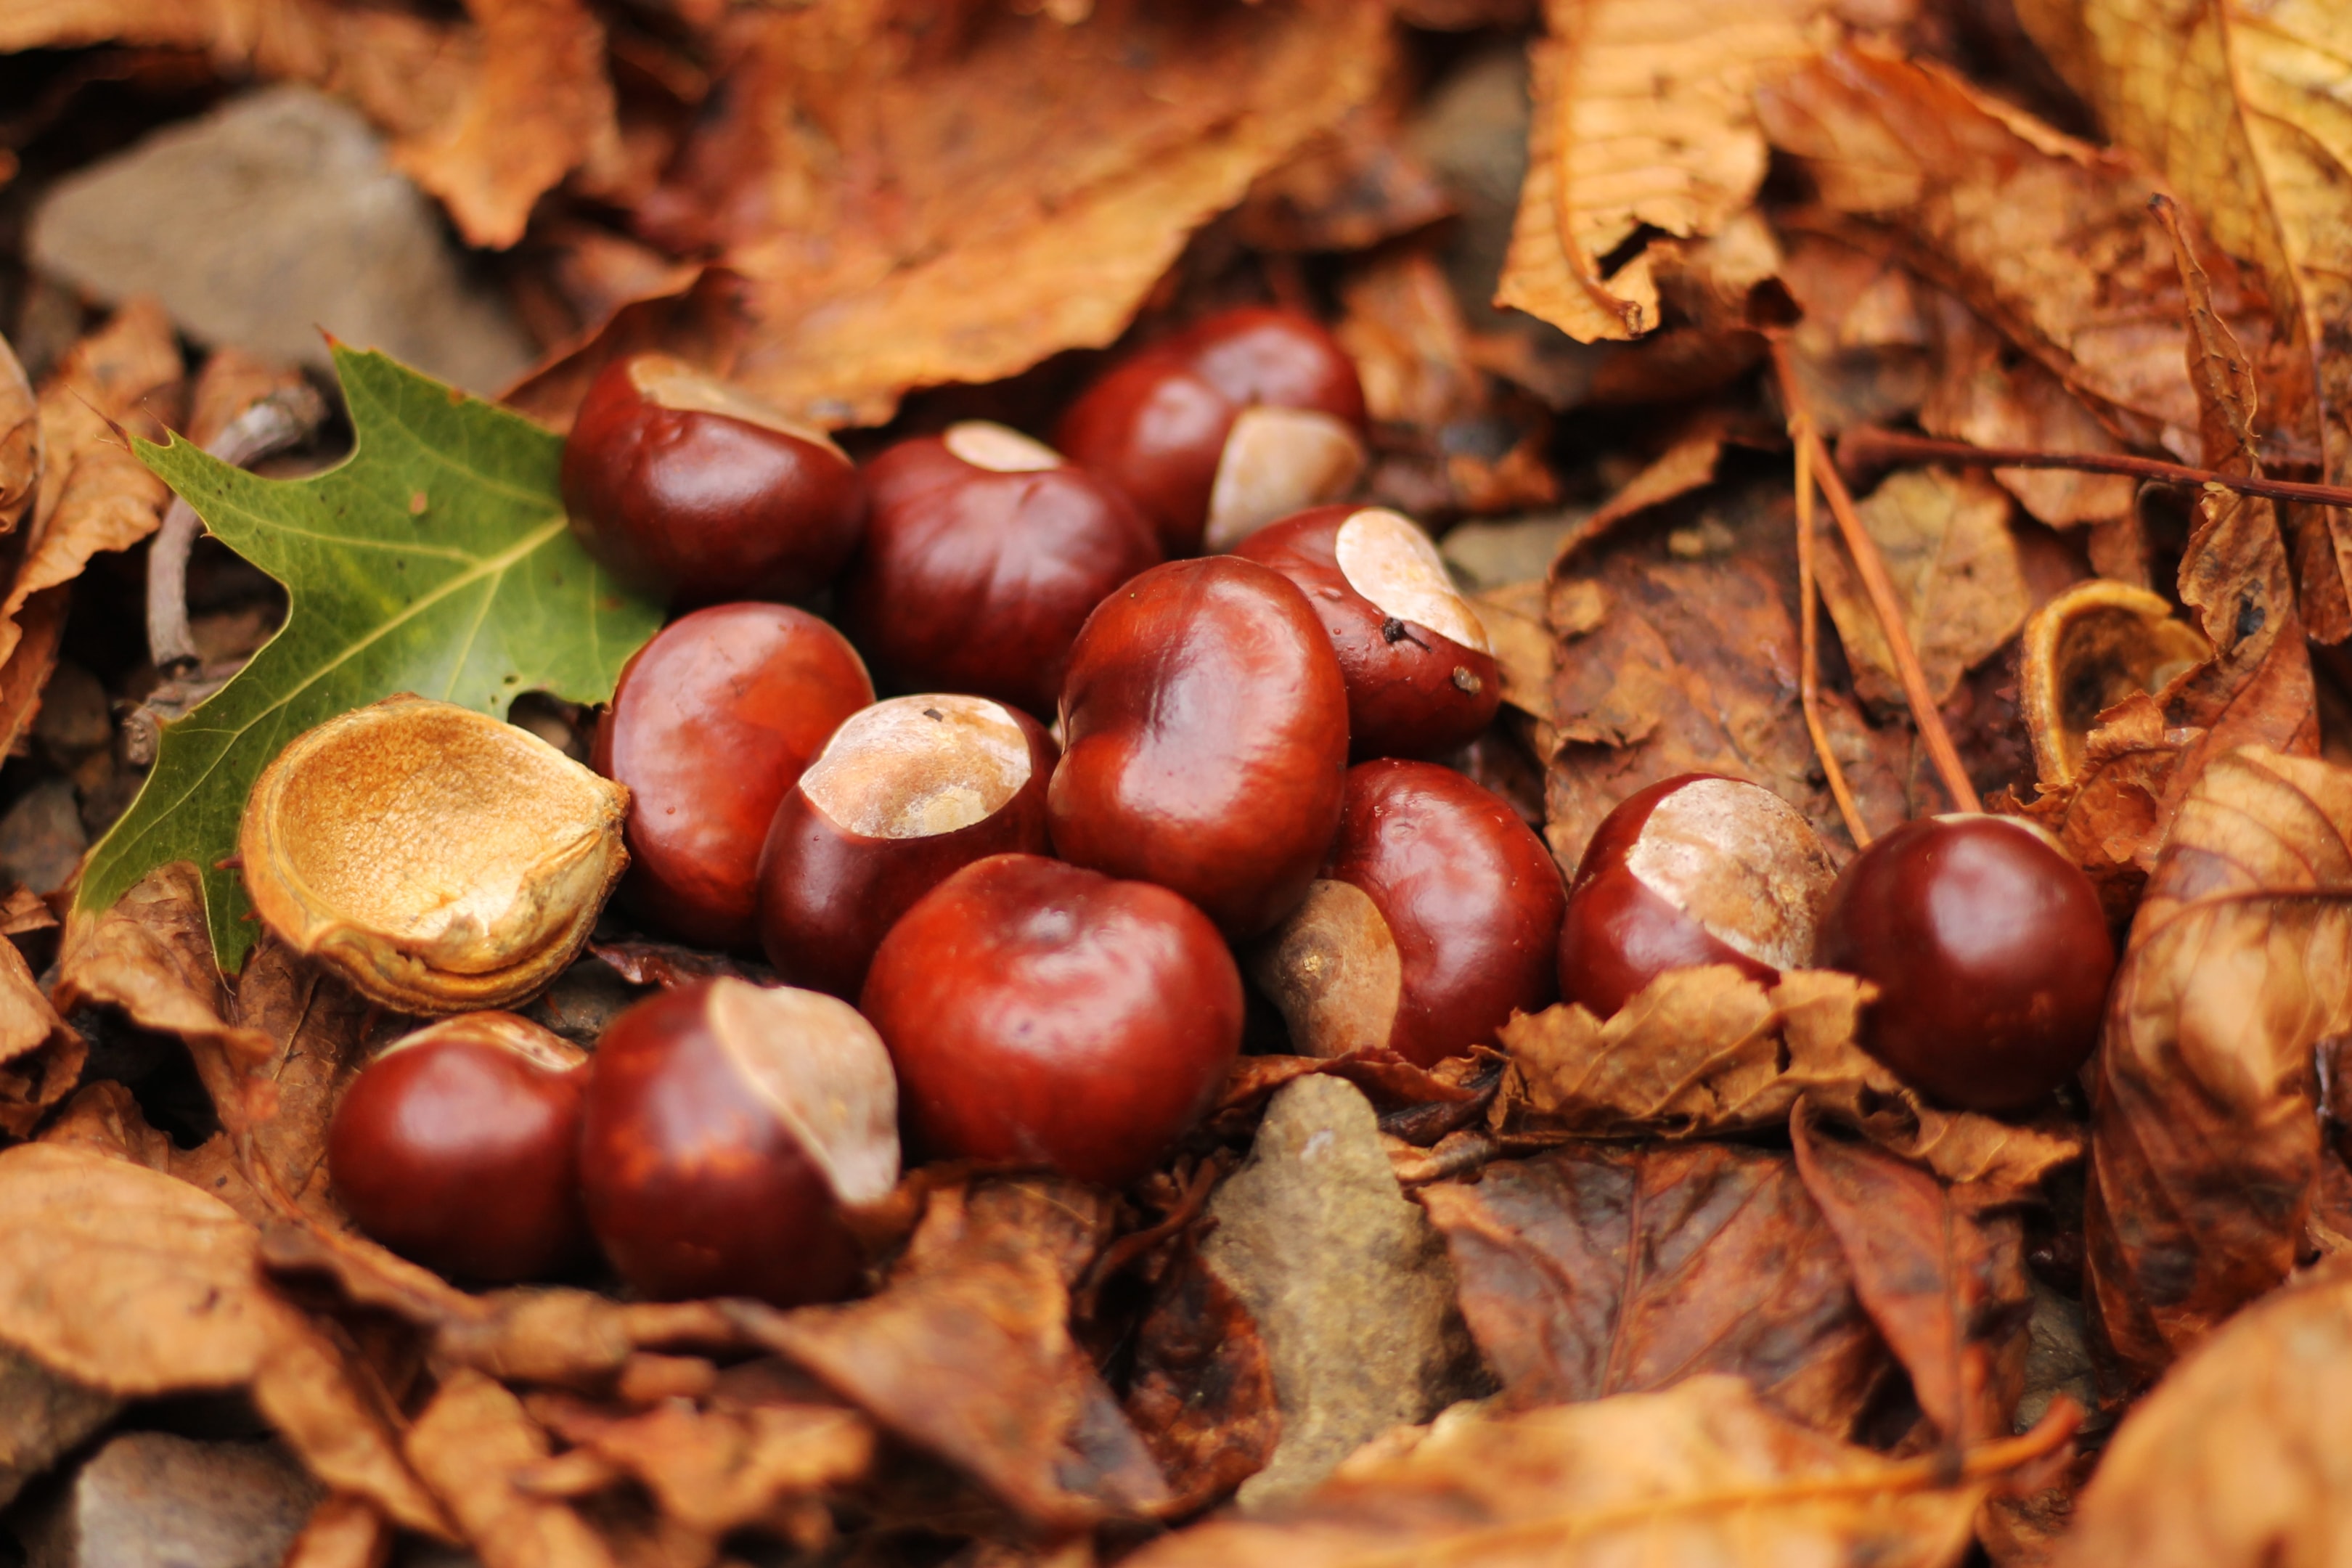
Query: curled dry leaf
{"type": "Point", "coordinates": [1987, 398]}
{"type": "Point", "coordinates": [319, 1031]}
{"type": "Point", "coordinates": [1865, 351]}
{"type": "Point", "coordinates": [127, 1280]}
{"type": "Point", "coordinates": [342, 1532]}
{"type": "Point", "coordinates": [40, 1058]}
{"type": "Point", "coordinates": [1202, 1393]}
{"type": "Point", "coordinates": [2088, 650]}
{"type": "Point", "coordinates": [437, 858]}
{"type": "Point", "coordinates": [1708, 1051]}
{"type": "Point", "coordinates": [1642, 118]}
{"type": "Point", "coordinates": [470, 1444]}
{"type": "Point", "coordinates": [20, 439]}
{"type": "Point", "coordinates": [1596, 1270]}
{"type": "Point", "coordinates": [2205, 1133]}
{"type": "Point", "coordinates": [1703, 1476]}
{"type": "Point", "coordinates": [103, 1118]}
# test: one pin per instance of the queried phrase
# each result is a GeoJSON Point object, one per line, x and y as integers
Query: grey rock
{"type": "Point", "coordinates": [1347, 1281]}
{"type": "Point", "coordinates": [272, 218]}
{"type": "Point", "coordinates": [1495, 552]}
{"type": "Point", "coordinates": [43, 1418]}
{"type": "Point", "coordinates": [149, 1499]}
{"type": "Point", "coordinates": [2057, 1358]}
{"type": "Point", "coordinates": [41, 836]}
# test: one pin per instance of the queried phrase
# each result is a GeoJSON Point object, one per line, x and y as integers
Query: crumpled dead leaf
{"type": "Point", "coordinates": [321, 1035]}
{"type": "Point", "coordinates": [470, 1444]}
{"type": "Point", "coordinates": [1987, 398]}
{"type": "Point", "coordinates": [1598, 1269]}
{"type": "Point", "coordinates": [104, 1118]}
{"type": "Point", "coordinates": [1865, 350]}
{"type": "Point", "coordinates": [2205, 1139]}
{"type": "Point", "coordinates": [1643, 117]}
{"type": "Point", "coordinates": [20, 439]}
{"type": "Point", "coordinates": [40, 1057]}
{"type": "Point", "coordinates": [1703, 1476]}
{"type": "Point", "coordinates": [894, 226]}
{"type": "Point", "coordinates": [1203, 1391]}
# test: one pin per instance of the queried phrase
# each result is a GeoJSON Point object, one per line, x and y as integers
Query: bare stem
{"type": "Point", "coordinates": [1867, 447]}
{"type": "Point", "coordinates": [1809, 643]}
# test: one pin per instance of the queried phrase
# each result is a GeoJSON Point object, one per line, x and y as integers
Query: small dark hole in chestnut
{"type": "Point", "coordinates": [933, 713]}
{"type": "Point", "coordinates": [1393, 631]}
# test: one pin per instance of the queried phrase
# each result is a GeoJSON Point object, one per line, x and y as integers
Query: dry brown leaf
{"type": "Point", "coordinates": [1865, 351]}
{"type": "Point", "coordinates": [320, 1033]}
{"type": "Point", "coordinates": [1687, 464]}
{"type": "Point", "coordinates": [1703, 1476]}
{"type": "Point", "coordinates": [342, 1532]}
{"type": "Point", "coordinates": [2237, 1458]}
{"type": "Point", "coordinates": [2238, 104]}
{"type": "Point", "coordinates": [127, 1280]}
{"type": "Point", "coordinates": [1597, 1269]}
{"type": "Point", "coordinates": [1349, 188]}
{"type": "Point", "coordinates": [104, 1118]}
{"type": "Point", "coordinates": [40, 1057]}
{"type": "Point", "coordinates": [1202, 1393]}
{"type": "Point", "coordinates": [1988, 398]}
{"type": "Point", "coordinates": [1643, 117]}
{"type": "Point", "coordinates": [1944, 536]}
{"type": "Point", "coordinates": [20, 439]}
{"type": "Point", "coordinates": [25, 674]}
{"type": "Point", "coordinates": [1940, 1269]}
{"type": "Point", "coordinates": [2205, 1133]}
{"type": "Point", "coordinates": [469, 1444]}
{"type": "Point", "coordinates": [897, 224]}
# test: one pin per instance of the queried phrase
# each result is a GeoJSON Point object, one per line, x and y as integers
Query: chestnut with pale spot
{"type": "Point", "coordinates": [905, 793]}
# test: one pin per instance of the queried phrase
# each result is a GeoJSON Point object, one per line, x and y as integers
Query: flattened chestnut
{"type": "Point", "coordinates": [905, 793]}
{"type": "Point", "coordinates": [1044, 1015]}
{"type": "Point", "coordinates": [1990, 954]}
{"type": "Point", "coordinates": [711, 722]}
{"type": "Point", "coordinates": [727, 1126]}
{"type": "Point", "coordinates": [693, 492]}
{"type": "Point", "coordinates": [459, 1146]}
{"type": "Point", "coordinates": [1245, 417]}
{"type": "Point", "coordinates": [1691, 870]}
{"type": "Point", "coordinates": [984, 553]}
{"type": "Point", "coordinates": [1421, 673]}
{"type": "Point", "coordinates": [1205, 736]}
{"type": "Point", "coordinates": [1436, 916]}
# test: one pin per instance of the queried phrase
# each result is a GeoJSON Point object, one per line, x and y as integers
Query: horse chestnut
{"type": "Point", "coordinates": [1040, 1014]}
{"type": "Point", "coordinates": [1437, 917]}
{"type": "Point", "coordinates": [1989, 951]}
{"type": "Point", "coordinates": [726, 1128]}
{"type": "Point", "coordinates": [1205, 735]}
{"type": "Point", "coordinates": [1691, 870]}
{"type": "Point", "coordinates": [693, 492]}
{"type": "Point", "coordinates": [1421, 673]}
{"type": "Point", "coordinates": [905, 793]}
{"type": "Point", "coordinates": [984, 553]}
{"type": "Point", "coordinates": [711, 722]}
{"type": "Point", "coordinates": [459, 1146]}
{"type": "Point", "coordinates": [1246, 416]}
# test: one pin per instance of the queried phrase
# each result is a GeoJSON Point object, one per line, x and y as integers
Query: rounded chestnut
{"type": "Point", "coordinates": [459, 1146]}
{"type": "Point", "coordinates": [1691, 870]}
{"type": "Point", "coordinates": [727, 1127]}
{"type": "Point", "coordinates": [1245, 417]}
{"type": "Point", "coordinates": [984, 553]}
{"type": "Point", "coordinates": [1420, 672]}
{"type": "Point", "coordinates": [693, 492]}
{"type": "Point", "coordinates": [1437, 917]}
{"type": "Point", "coordinates": [709, 725]}
{"type": "Point", "coordinates": [1989, 951]}
{"type": "Point", "coordinates": [1205, 732]}
{"type": "Point", "coordinates": [905, 793]}
{"type": "Point", "coordinates": [1040, 1014]}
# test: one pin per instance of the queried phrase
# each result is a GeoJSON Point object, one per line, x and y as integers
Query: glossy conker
{"type": "Point", "coordinates": [905, 793]}
{"type": "Point", "coordinates": [1204, 729]}
{"type": "Point", "coordinates": [983, 553]}
{"type": "Point", "coordinates": [1421, 673]}
{"type": "Point", "coordinates": [1691, 870]}
{"type": "Point", "coordinates": [693, 492]}
{"type": "Point", "coordinates": [1245, 417]}
{"type": "Point", "coordinates": [1989, 951]}
{"type": "Point", "coordinates": [727, 1127]}
{"type": "Point", "coordinates": [459, 1146]}
{"type": "Point", "coordinates": [1040, 1014]}
{"type": "Point", "coordinates": [1437, 917]}
{"type": "Point", "coordinates": [711, 722]}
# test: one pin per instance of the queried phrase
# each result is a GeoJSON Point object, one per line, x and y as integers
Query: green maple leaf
{"type": "Point", "coordinates": [435, 559]}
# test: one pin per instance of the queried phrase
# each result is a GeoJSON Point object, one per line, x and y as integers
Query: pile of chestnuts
{"type": "Point", "coordinates": [1007, 897]}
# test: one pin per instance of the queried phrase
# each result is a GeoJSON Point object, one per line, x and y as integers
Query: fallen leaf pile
{"type": "Point", "coordinates": [1699, 1282]}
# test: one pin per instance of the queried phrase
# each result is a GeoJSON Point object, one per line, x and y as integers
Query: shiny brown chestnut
{"type": "Point", "coordinates": [1245, 417]}
{"type": "Point", "coordinates": [711, 722]}
{"type": "Point", "coordinates": [1205, 732]}
{"type": "Point", "coordinates": [1989, 951]}
{"type": "Point", "coordinates": [1420, 672]}
{"type": "Point", "coordinates": [458, 1147]}
{"type": "Point", "coordinates": [1437, 917]}
{"type": "Point", "coordinates": [727, 1127]}
{"type": "Point", "coordinates": [983, 553]}
{"type": "Point", "coordinates": [693, 492]}
{"type": "Point", "coordinates": [1691, 870]}
{"type": "Point", "coordinates": [905, 793]}
{"type": "Point", "coordinates": [1040, 1014]}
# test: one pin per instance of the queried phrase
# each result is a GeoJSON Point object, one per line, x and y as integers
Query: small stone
{"type": "Point", "coordinates": [2057, 1358]}
{"type": "Point", "coordinates": [1349, 1282]}
{"type": "Point", "coordinates": [150, 1500]}
{"type": "Point", "coordinates": [75, 719]}
{"type": "Point", "coordinates": [42, 837]}
{"type": "Point", "coordinates": [274, 216]}
{"type": "Point", "coordinates": [1495, 554]}
{"type": "Point", "coordinates": [43, 1416]}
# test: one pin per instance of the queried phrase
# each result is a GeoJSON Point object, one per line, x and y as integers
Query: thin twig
{"type": "Point", "coordinates": [1809, 643]}
{"type": "Point", "coordinates": [1870, 567]}
{"type": "Point", "coordinates": [1867, 447]}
